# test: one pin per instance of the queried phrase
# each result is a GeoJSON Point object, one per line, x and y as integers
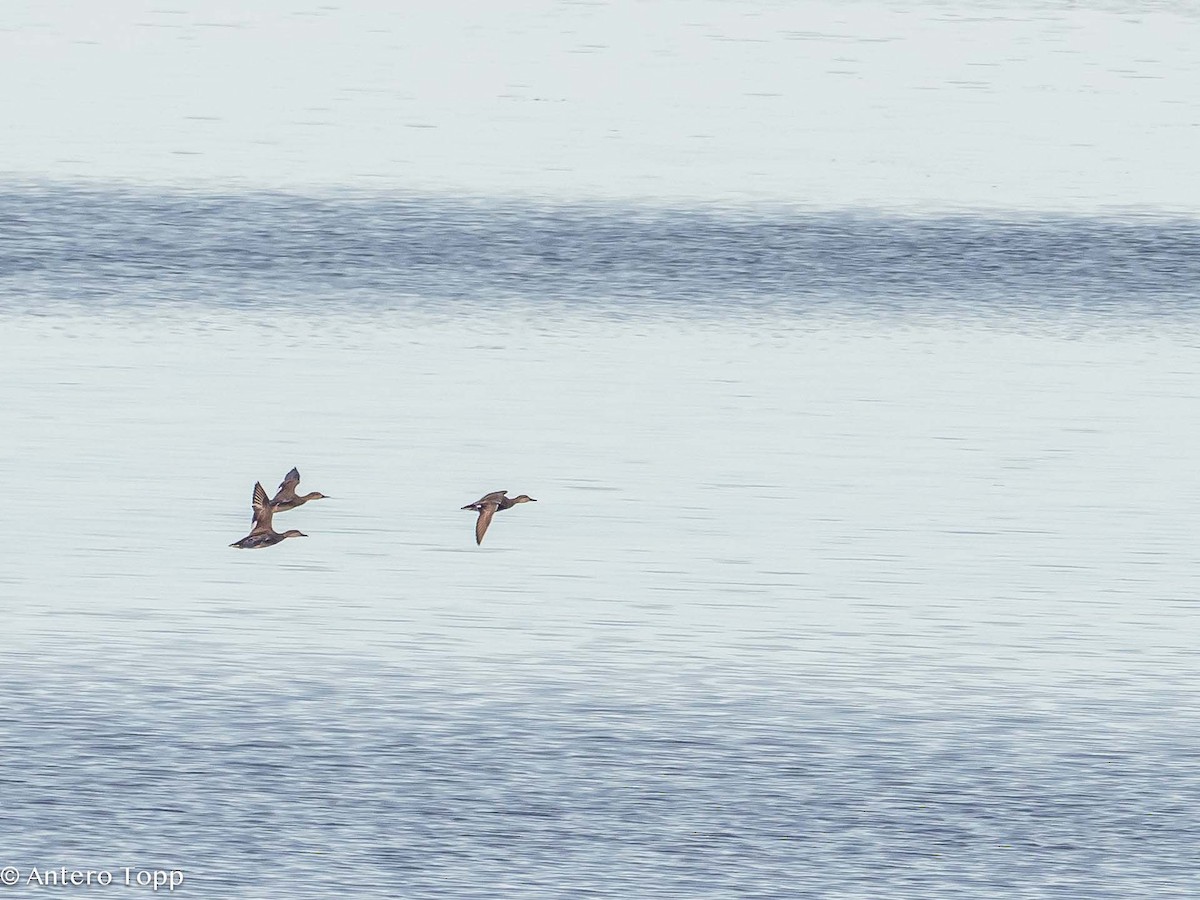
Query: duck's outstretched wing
{"type": "Point", "coordinates": [486, 511]}
{"type": "Point", "coordinates": [262, 509]}
{"type": "Point", "coordinates": [493, 497]}
{"type": "Point", "coordinates": [287, 487]}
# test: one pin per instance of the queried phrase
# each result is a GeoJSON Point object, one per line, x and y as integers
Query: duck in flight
{"type": "Point", "coordinates": [285, 497]}
{"type": "Point", "coordinates": [488, 504]}
{"type": "Point", "coordinates": [262, 534]}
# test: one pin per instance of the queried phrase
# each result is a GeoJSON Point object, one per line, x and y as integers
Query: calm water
{"type": "Point", "coordinates": [996, 104]}
{"type": "Point", "coordinates": [863, 563]}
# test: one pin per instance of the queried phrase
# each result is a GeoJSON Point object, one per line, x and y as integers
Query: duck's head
{"type": "Point", "coordinates": [292, 532]}
{"type": "Point", "coordinates": [316, 495]}
{"type": "Point", "coordinates": [524, 498]}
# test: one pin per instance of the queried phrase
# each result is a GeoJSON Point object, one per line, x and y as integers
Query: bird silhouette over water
{"type": "Point", "coordinates": [285, 497]}
{"type": "Point", "coordinates": [262, 534]}
{"type": "Point", "coordinates": [488, 504]}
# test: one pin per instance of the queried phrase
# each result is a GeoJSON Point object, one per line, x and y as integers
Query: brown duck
{"type": "Point", "coordinates": [487, 505]}
{"type": "Point", "coordinates": [285, 497]}
{"type": "Point", "coordinates": [262, 534]}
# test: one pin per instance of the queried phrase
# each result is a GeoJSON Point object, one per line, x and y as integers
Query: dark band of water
{"type": "Point", "coordinates": [66, 248]}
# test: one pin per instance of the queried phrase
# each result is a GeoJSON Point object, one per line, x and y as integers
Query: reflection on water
{"type": "Point", "coordinates": [65, 249]}
{"type": "Point", "coordinates": [739, 782]}
{"type": "Point", "coordinates": [823, 595]}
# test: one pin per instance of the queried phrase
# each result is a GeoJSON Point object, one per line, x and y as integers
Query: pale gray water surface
{"type": "Point", "coordinates": [840, 590]}
{"type": "Point", "coordinates": [997, 104]}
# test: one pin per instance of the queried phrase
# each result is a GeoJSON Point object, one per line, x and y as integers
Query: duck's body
{"type": "Point", "coordinates": [286, 498]}
{"type": "Point", "coordinates": [262, 534]}
{"type": "Point", "coordinates": [488, 505]}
